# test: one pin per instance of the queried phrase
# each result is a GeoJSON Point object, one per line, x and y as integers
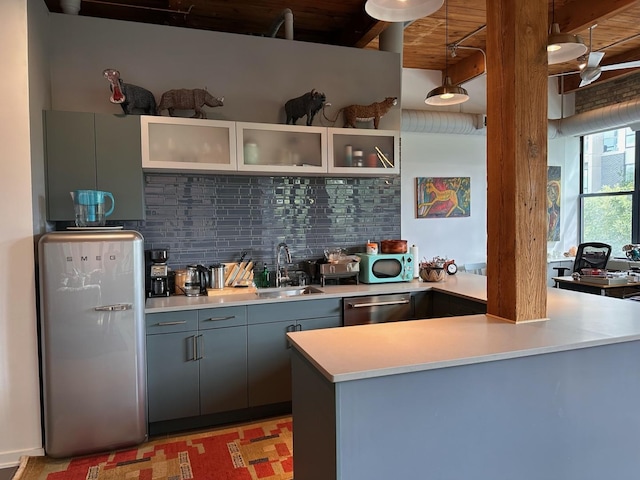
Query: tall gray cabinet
{"type": "Point", "coordinates": [93, 151]}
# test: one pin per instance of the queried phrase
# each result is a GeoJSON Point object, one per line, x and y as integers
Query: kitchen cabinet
{"type": "Point", "coordinates": [196, 362]}
{"type": "Point", "coordinates": [445, 305]}
{"type": "Point", "coordinates": [422, 305]}
{"type": "Point", "coordinates": [343, 142]}
{"type": "Point", "coordinates": [288, 149]}
{"type": "Point", "coordinates": [187, 144]}
{"type": "Point", "coordinates": [269, 367]}
{"type": "Point", "coordinates": [93, 151]}
{"type": "Point", "coordinates": [214, 146]}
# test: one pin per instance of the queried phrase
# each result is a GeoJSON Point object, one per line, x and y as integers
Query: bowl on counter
{"type": "Point", "coordinates": [432, 274]}
{"type": "Point", "coordinates": [393, 246]}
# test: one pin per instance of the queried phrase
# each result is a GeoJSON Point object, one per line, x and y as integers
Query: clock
{"type": "Point", "coordinates": [452, 268]}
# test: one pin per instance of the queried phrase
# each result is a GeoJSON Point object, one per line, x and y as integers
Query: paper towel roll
{"type": "Point", "coordinates": [416, 261]}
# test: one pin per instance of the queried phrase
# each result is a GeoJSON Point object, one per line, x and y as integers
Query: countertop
{"type": "Point", "coordinates": [466, 285]}
{"type": "Point", "coordinates": [576, 320]}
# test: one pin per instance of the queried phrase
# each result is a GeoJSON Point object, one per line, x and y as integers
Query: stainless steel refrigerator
{"type": "Point", "coordinates": [92, 340]}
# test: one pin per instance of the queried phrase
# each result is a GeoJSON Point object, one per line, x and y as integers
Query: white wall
{"type": "Point", "coordinates": [19, 390]}
{"type": "Point", "coordinates": [431, 155]}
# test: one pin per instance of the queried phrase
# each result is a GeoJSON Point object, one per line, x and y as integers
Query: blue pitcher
{"type": "Point", "coordinates": [89, 206]}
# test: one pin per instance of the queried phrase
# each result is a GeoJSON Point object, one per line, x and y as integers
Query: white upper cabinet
{"type": "Point", "coordinates": [288, 149]}
{"type": "Point", "coordinates": [363, 152]}
{"type": "Point", "coordinates": [188, 144]}
{"type": "Point", "coordinates": [214, 146]}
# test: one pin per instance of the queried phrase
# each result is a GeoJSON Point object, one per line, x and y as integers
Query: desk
{"type": "Point", "coordinates": [619, 291]}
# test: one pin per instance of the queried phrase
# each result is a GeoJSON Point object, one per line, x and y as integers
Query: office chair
{"type": "Point", "coordinates": [591, 255]}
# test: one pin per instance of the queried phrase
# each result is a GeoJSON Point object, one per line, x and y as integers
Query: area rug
{"type": "Point", "coordinates": [255, 451]}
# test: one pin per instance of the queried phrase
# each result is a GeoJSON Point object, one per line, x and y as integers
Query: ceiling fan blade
{"type": "Point", "coordinates": [620, 66]}
{"type": "Point", "coordinates": [594, 59]}
{"type": "Point", "coordinates": [589, 75]}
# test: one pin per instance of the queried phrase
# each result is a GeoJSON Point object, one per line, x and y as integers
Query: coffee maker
{"type": "Point", "coordinates": [157, 278]}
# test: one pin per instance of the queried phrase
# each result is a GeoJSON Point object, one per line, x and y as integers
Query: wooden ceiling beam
{"type": "Point", "coordinates": [467, 68]}
{"type": "Point", "coordinates": [572, 82]}
{"type": "Point", "coordinates": [578, 15]}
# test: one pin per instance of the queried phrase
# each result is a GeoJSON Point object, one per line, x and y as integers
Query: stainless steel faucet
{"type": "Point", "coordinates": [282, 272]}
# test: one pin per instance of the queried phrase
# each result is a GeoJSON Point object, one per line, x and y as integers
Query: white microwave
{"type": "Point", "coordinates": [386, 267]}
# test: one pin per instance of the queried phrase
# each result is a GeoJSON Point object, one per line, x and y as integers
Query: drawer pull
{"type": "Point", "coordinates": [217, 319]}
{"type": "Point", "coordinates": [165, 324]}
{"type": "Point", "coordinates": [378, 304]}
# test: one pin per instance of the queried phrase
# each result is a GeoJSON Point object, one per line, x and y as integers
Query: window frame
{"type": "Point", "coordinates": [635, 193]}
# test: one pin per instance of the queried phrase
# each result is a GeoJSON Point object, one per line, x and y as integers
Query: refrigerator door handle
{"type": "Point", "coordinates": [116, 307]}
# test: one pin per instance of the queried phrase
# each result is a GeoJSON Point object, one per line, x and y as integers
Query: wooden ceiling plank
{"type": "Point", "coordinates": [578, 15]}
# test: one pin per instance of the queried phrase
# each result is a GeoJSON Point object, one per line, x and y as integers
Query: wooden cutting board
{"type": "Point", "coordinates": [230, 290]}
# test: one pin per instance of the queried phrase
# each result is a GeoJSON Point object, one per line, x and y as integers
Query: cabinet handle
{"type": "Point", "coordinates": [378, 304]}
{"type": "Point", "coordinates": [165, 324]}
{"type": "Point", "coordinates": [290, 328]}
{"type": "Point", "coordinates": [196, 343]}
{"type": "Point", "coordinates": [215, 319]}
{"type": "Point", "coordinates": [112, 308]}
{"type": "Point", "coordinates": [194, 348]}
{"type": "Point", "coordinates": [299, 328]}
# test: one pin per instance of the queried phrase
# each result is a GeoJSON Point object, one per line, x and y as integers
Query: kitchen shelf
{"type": "Point", "coordinates": [188, 144]}
{"type": "Point", "coordinates": [289, 149]}
{"type": "Point", "coordinates": [366, 140]}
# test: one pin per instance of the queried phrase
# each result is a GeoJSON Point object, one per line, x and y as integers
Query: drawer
{"type": "Point", "coordinates": [294, 310]}
{"type": "Point", "coordinates": [170, 322]}
{"type": "Point", "coordinates": [222, 317]}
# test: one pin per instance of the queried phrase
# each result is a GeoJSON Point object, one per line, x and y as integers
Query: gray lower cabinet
{"type": "Point", "coordinates": [269, 366]}
{"type": "Point", "coordinates": [446, 305]}
{"type": "Point", "coordinates": [196, 362]}
{"type": "Point", "coordinates": [93, 151]}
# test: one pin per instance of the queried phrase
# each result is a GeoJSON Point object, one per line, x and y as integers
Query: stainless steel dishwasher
{"type": "Point", "coordinates": [376, 309]}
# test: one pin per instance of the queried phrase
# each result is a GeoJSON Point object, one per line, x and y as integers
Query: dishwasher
{"type": "Point", "coordinates": [392, 307]}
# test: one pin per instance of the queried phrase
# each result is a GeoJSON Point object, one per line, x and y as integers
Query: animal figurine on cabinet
{"type": "Point", "coordinates": [308, 104]}
{"type": "Point", "coordinates": [366, 113]}
{"type": "Point", "coordinates": [185, 99]}
{"type": "Point", "coordinates": [132, 98]}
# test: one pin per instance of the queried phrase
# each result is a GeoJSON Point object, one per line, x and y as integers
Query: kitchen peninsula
{"type": "Point", "coordinates": [472, 397]}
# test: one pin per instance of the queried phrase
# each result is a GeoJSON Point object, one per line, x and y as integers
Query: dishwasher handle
{"type": "Point", "coordinates": [378, 304]}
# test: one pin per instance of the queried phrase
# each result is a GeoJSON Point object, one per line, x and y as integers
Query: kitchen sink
{"type": "Point", "coordinates": [285, 292]}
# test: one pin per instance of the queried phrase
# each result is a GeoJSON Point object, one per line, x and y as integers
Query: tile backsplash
{"type": "Point", "coordinates": [212, 218]}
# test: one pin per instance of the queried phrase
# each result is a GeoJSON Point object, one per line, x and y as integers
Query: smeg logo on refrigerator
{"type": "Point", "coordinates": [85, 258]}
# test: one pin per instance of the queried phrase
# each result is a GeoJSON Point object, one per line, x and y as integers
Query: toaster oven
{"type": "Point", "coordinates": [386, 267]}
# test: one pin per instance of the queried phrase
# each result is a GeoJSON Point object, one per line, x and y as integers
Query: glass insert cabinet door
{"type": "Point", "coordinates": [293, 149]}
{"type": "Point", "coordinates": [185, 144]}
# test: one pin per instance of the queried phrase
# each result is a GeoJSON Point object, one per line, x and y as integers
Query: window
{"type": "Point", "coordinates": [610, 189]}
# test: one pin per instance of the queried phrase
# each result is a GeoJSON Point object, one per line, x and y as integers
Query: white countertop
{"type": "Point", "coordinates": [182, 302]}
{"type": "Point", "coordinates": [576, 320]}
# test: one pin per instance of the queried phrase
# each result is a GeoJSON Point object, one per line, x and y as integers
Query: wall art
{"type": "Point", "coordinates": [443, 197]}
{"type": "Point", "coordinates": [553, 204]}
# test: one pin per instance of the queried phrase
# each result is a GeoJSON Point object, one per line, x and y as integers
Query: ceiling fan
{"type": "Point", "coordinates": [591, 70]}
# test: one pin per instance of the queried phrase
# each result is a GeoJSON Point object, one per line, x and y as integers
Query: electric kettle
{"type": "Point", "coordinates": [89, 206]}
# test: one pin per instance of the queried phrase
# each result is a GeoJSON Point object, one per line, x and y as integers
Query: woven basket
{"type": "Point", "coordinates": [432, 274]}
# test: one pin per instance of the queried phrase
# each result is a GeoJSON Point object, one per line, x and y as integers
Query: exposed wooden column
{"type": "Point", "coordinates": [516, 158]}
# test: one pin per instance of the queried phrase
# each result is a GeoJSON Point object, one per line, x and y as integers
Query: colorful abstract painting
{"type": "Point", "coordinates": [443, 197]}
{"type": "Point", "coordinates": [553, 204]}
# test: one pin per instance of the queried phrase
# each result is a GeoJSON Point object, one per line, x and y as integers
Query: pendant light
{"type": "Point", "coordinates": [563, 47]}
{"type": "Point", "coordinates": [401, 10]}
{"type": "Point", "coordinates": [447, 94]}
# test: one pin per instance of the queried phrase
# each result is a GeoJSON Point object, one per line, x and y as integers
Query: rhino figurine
{"type": "Point", "coordinates": [185, 99]}
{"type": "Point", "coordinates": [132, 98]}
